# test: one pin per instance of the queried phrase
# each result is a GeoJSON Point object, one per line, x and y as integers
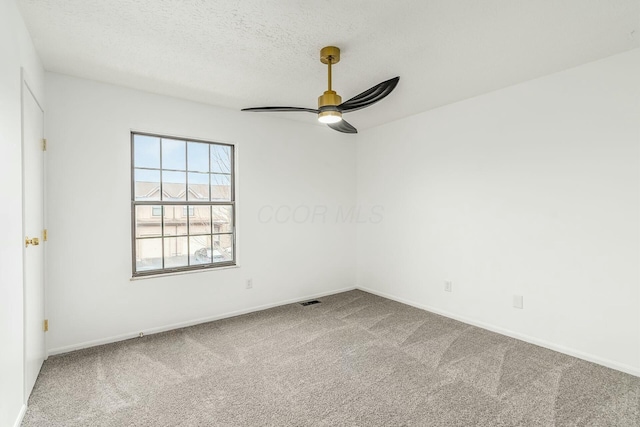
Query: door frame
{"type": "Point", "coordinates": [26, 90]}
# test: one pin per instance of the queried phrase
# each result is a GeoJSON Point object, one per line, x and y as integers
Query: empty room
{"type": "Point", "coordinates": [329, 213]}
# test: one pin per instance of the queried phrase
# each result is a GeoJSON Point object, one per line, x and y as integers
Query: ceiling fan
{"type": "Point", "coordinates": [330, 105]}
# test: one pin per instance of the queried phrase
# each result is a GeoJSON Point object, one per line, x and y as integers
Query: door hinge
{"type": "Point", "coordinates": [44, 235]}
{"type": "Point", "coordinates": [44, 144]}
{"type": "Point", "coordinates": [45, 326]}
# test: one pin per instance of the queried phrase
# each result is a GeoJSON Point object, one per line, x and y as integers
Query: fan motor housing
{"type": "Point", "coordinates": [329, 97]}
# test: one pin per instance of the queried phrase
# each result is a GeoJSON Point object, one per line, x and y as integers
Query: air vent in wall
{"type": "Point", "coordinates": [315, 301]}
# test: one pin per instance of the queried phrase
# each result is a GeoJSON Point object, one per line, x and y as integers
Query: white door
{"type": "Point", "coordinates": [33, 226]}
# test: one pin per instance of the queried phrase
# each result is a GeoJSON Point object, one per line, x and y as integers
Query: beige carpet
{"type": "Point", "coordinates": [354, 360]}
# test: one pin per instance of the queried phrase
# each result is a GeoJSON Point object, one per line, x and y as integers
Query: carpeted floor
{"type": "Point", "coordinates": [354, 360]}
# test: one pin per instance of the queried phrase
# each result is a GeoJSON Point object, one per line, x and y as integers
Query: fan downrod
{"type": "Point", "coordinates": [328, 101]}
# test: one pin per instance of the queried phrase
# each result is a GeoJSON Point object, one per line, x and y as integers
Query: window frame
{"type": "Point", "coordinates": [186, 204]}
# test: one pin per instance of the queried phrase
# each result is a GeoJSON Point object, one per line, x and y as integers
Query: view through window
{"type": "Point", "coordinates": [183, 204]}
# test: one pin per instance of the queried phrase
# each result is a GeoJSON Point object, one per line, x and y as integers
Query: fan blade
{"type": "Point", "coordinates": [369, 96]}
{"type": "Point", "coordinates": [280, 109]}
{"type": "Point", "coordinates": [343, 126]}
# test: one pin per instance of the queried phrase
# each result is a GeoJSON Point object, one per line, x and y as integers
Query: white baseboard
{"type": "Point", "coordinates": [532, 340]}
{"type": "Point", "coordinates": [122, 337]}
{"type": "Point", "coordinates": [23, 411]}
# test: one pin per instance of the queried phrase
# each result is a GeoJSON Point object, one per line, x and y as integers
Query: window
{"type": "Point", "coordinates": [182, 204]}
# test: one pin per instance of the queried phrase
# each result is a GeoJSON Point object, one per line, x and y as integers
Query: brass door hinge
{"type": "Point", "coordinates": [44, 235]}
{"type": "Point", "coordinates": [46, 325]}
{"type": "Point", "coordinates": [44, 144]}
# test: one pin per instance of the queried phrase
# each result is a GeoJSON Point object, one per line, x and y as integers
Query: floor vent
{"type": "Point", "coordinates": [315, 301]}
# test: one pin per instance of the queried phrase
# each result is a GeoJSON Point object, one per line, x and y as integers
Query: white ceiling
{"type": "Point", "coordinates": [248, 53]}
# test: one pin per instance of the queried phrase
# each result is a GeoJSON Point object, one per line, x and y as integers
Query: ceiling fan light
{"type": "Point", "coordinates": [330, 116]}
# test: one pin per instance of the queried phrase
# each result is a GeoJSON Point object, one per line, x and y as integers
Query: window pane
{"type": "Point", "coordinates": [147, 223]}
{"type": "Point", "coordinates": [222, 219]}
{"type": "Point", "coordinates": [220, 187]}
{"type": "Point", "coordinates": [200, 220]}
{"type": "Point", "coordinates": [174, 186]}
{"type": "Point", "coordinates": [174, 154]}
{"type": "Point", "coordinates": [147, 184]}
{"type": "Point", "coordinates": [222, 247]}
{"type": "Point", "coordinates": [220, 158]}
{"type": "Point", "coordinates": [146, 151]}
{"type": "Point", "coordinates": [176, 252]}
{"type": "Point", "coordinates": [175, 221]}
{"type": "Point", "coordinates": [200, 250]}
{"type": "Point", "coordinates": [198, 186]}
{"type": "Point", "coordinates": [198, 157]}
{"type": "Point", "coordinates": [148, 254]}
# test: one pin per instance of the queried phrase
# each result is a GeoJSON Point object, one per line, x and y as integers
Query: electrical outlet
{"type": "Point", "coordinates": [448, 286]}
{"type": "Point", "coordinates": [517, 301]}
{"type": "Point", "coordinates": [249, 283]}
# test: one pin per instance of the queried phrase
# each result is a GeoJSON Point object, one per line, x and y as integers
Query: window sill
{"type": "Point", "coordinates": [180, 273]}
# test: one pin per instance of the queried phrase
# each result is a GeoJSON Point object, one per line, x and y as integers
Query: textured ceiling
{"type": "Point", "coordinates": [266, 52]}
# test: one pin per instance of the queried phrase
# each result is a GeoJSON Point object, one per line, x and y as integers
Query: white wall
{"type": "Point", "coordinates": [281, 163]}
{"type": "Point", "coordinates": [531, 190]}
{"type": "Point", "coordinates": [16, 51]}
